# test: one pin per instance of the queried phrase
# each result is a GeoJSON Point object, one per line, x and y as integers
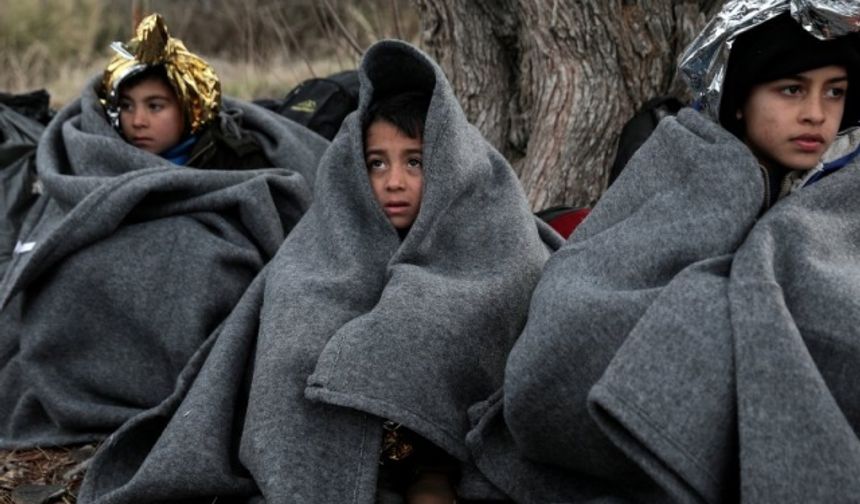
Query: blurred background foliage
{"type": "Point", "coordinates": [260, 48]}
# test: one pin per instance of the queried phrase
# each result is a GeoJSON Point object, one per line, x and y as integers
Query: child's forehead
{"type": "Point", "coordinates": [382, 123]}
{"type": "Point", "coordinates": [385, 130]}
{"type": "Point", "coordinates": [150, 85]}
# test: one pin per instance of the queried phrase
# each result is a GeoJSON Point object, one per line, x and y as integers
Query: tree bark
{"type": "Point", "coordinates": [457, 34]}
{"type": "Point", "coordinates": [550, 83]}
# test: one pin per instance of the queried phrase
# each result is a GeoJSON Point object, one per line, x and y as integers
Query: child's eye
{"type": "Point", "coordinates": [414, 163]}
{"type": "Point", "coordinates": [836, 92]}
{"type": "Point", "coordinates": [375, 164]}
{"type": "Point", "coordinates": [792, 90]}
{"type": "Point", "coordinates": [155, 107]}
{"type": "Point", "coordinates": [125, 106]}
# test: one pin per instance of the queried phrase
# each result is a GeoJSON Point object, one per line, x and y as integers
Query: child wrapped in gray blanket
{"type": "Point", "coordinates": [128, 261]}
{"type": "Point", "coordinates": [393, 146]}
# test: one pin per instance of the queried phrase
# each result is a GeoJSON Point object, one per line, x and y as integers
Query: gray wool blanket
{"type": "Point", "coordinates": [349, 326]}
{"type": "Point", "coordinates": [127, 263]}
{"type": "Point", "coordinates": [19, 136]}
{"type": "Point", "coordinates": [681, 349]}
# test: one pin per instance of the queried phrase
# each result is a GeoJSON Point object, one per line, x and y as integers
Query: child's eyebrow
{"type": "Point", "coordinates": [382, 151]}
{"type": "Point", "coordinates": [156, 97]}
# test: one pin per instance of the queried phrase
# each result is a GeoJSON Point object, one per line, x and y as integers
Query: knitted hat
{"type": "Point", "coordinates": [780, 48]}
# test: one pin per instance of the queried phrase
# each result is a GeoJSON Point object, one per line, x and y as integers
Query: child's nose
{"type": "Point", "coordinates": [396, 177]}
{"type": "Point", "coordinates": [139, 118]}
{"type": "Point", "coordinates": [813, 110]}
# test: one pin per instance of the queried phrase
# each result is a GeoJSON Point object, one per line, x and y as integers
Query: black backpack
{"type": "Point", "coordinates": [320, 104]}
{"type": "Point", "coordinates": [35, 104]}
{"type": "Point", "coordinates": [19, 137]}
{"type": "Point", "coordinates": [637, 130]}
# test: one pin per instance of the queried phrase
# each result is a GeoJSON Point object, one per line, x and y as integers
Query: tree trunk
{"type": "Point", "coordinates": [550, 83]}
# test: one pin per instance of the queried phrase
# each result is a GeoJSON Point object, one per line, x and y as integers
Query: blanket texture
{"type": "Point", "coordinates": [681, 348]}
{"type": "Point", "coordinates": [127, 264]}
{"type": "Point", "coordinates": [350, 326]}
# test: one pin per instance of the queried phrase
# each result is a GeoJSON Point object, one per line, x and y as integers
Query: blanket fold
{"type": "Point", "coordinates": [794, 286]}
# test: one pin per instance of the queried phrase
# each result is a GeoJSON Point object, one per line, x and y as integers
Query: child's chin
{"type": "Point", "coordinates": [401, 224]}
{"type": "Point", "coordinates": [802, 163]}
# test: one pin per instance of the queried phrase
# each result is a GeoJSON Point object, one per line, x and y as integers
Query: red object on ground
{"type": "Point", "coordinates": [564, 219]}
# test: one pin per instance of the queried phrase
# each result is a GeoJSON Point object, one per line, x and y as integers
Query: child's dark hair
{"type": "Point", "coordinates": [405, 111]}
{"type": "Point", "coordinates": [151, 72]}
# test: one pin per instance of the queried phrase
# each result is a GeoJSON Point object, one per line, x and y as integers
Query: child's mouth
{"type": "Point", "coordinates": [808, 143]}
{"type": "Point", "coordinates": [396, 207]}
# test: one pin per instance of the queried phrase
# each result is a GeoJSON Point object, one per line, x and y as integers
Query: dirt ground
{"type": "Point", "coordinates": [49, 475]}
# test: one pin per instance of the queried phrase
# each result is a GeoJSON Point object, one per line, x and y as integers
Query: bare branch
{"type": "Point", "coordinates": [398, 31]}
{"type": "Point", "coordinates": [328, 31]}
{"type": "Point", "coordinates": [348, 36]}
{"type": "Point", "coordinates": [285, 25]}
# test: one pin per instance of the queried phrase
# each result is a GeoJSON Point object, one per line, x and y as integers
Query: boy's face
{"type": "Point", "coordinates": [791, 122]}
{"type": "Point", "coordinates": [394, 165]}
{"type": "Point", "coordinates": [150, 116]}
